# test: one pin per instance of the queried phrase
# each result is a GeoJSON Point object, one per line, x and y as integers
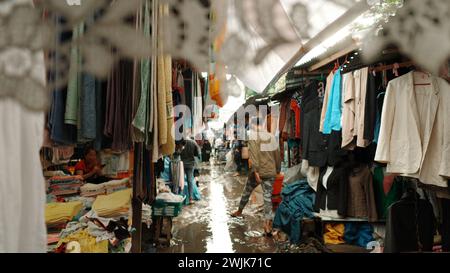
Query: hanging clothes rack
{"type": "Point", "coordinates": [391, 66]}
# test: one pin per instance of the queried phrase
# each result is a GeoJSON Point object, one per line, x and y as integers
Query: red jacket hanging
{"type": "Point", "coordinates": [296, 108]}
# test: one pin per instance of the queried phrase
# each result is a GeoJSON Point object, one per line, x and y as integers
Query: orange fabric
{"type": "Point", "coordinates": [214, 90]}
{"type": "Point", "coordinates": [334, 234]}
{"type": "Point", "coordinates": [296, 109]}
{"type": "Point", "coordinates": [278, 184]}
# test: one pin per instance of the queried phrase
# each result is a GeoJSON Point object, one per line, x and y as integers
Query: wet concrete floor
{"type": "Point", "coordinates": [206, 226]}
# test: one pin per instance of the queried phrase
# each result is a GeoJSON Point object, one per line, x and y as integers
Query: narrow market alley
{"type": "Point", "coordinates": [207, 226]}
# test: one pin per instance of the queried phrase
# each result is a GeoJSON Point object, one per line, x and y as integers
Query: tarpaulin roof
{"type": "Point", "coordinates": [307, 18]}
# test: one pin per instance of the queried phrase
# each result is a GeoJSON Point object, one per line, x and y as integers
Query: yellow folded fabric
{"type": "Point", "coordinates": [334, 234]}
{"type": "Point", "coordinates": [87, 242]}
{"type": "Point", "coordinates": [59, 213]}
{"type": "Point", "coordinates": [112, 204]}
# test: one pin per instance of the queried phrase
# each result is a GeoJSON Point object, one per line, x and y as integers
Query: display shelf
{"type": "Point", "coordinates": [348, 219]}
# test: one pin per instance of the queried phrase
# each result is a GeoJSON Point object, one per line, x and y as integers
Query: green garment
{"type": "Point", "coordinates": [74, 86]}
{"type": "Point", "coordinates": [384, 201]}
{"type": "Point", "coordinates": [139, 121]}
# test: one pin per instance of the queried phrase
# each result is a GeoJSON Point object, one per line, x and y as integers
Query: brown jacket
{"type": "Point", "coordinates": [361, 199]}
{"type": "Point", "coordinates": [264, 154]}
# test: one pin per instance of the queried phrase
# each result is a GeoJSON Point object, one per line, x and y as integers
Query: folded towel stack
{"type": "Point", "coordinates": [92, 190]}
{"type": "Point", "coordinates": [65, 185]}
{"type": "Point", "coordinates": [117, 185]}
{"type": "Point", "coordinates": [61, 213]}
{"type": "Point", "coordinates": [113, 205]}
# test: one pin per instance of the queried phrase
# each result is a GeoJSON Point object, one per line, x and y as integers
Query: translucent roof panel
{"type": "Point", "coordinates": [306, 18]}
{"type": "Point", "coordinates": [311, 17]}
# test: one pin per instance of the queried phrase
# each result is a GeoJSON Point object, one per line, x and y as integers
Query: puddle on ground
{"type": "Point", "coordinates": [207, 226]}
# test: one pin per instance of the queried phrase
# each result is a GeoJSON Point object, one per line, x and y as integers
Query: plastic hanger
{"type": "Point", "coordinates": [336, 65]}
{"type": "Point", "coordinates": [423, 72]}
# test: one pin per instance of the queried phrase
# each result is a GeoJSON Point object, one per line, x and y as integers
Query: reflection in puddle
{"type": "Point", "coordinates": [207, 227]}
{"type": "Point", "coordinates": [253, 234]}
{"type": "Point", "coordinates": [221, 240]}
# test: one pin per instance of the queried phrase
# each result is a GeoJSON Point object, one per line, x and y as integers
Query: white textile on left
{"type": "Point", "coordinates": [22, 186]}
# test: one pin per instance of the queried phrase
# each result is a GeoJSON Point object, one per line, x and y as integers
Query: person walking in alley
{"type": "Point", "coordinates": [265, 164]}
{"type": "Point", "coordinates": [188, 150]}
{"type": "Point", "coordinates": [237, 147]}
{"type": "Point", "coordinates": [206, 151]}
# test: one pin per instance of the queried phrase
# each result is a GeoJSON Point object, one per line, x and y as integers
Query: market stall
{"type": "Point", "coordinates": [354, 126]}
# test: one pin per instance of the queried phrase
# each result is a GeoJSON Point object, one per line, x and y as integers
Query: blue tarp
{"type": "Point", "coordinates": [298, 201]}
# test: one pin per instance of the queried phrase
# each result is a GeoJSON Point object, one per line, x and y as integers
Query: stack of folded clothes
{"type": "Point", "coordinates": [113, 205]}
{"type": "Point", "coordinates": [60, 213]}
{"type": "Point", "coordinates": [50, 174]}
{"type": "Point", "coordinates": [92, 190]}
{"type": "Point", "coordinates": [117, 185]}
{"type": "Point", "coordinates": [65, 185]}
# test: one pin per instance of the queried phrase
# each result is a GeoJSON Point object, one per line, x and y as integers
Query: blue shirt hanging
{"type": "Point", "coordinates": [334, 111]}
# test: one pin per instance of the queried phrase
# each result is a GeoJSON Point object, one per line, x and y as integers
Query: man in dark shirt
{"type": "Point", "coordinates": [206, 151]}
{"type": "Point", "coordinates": [189, 150]}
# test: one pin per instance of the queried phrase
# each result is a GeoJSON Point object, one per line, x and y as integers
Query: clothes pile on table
{"type": "Point", "coordinates": [65, 185]}
{"type": "Point", "coordinates": [61, 213]}
{"type": "Point", "coordinates": [113, 205]}
{"type": "Point", "coordinates": [87, 242]}
{"type": "Point", "coordinates": [103, 228]}
{"type": "Point", "coordinates": [50, 174]}
{"type": "Point", "coordinates": [112, 186]}
{"type": "Point", "coordinates": [92, 190]}
{"type": "Point", "coordinates": [117, 185]}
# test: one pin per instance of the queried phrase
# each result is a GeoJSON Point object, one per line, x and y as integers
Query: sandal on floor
{"type": "Point", "coordinates": [236, 214]}
{"type": "Point", "coordinates": [268, 233]}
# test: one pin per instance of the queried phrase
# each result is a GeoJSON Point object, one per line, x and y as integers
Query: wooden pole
{"type": "Point", "coordinates": [136, 203]}
{"type": "Point", "coordinates": [136, 238]}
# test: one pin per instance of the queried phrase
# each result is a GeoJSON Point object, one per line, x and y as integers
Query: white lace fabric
{"type": "Point", "coordinates": [22, 69]}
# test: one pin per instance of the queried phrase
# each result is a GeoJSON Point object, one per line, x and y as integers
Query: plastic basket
{"type": "Point", "coordinates": [163, 208]}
